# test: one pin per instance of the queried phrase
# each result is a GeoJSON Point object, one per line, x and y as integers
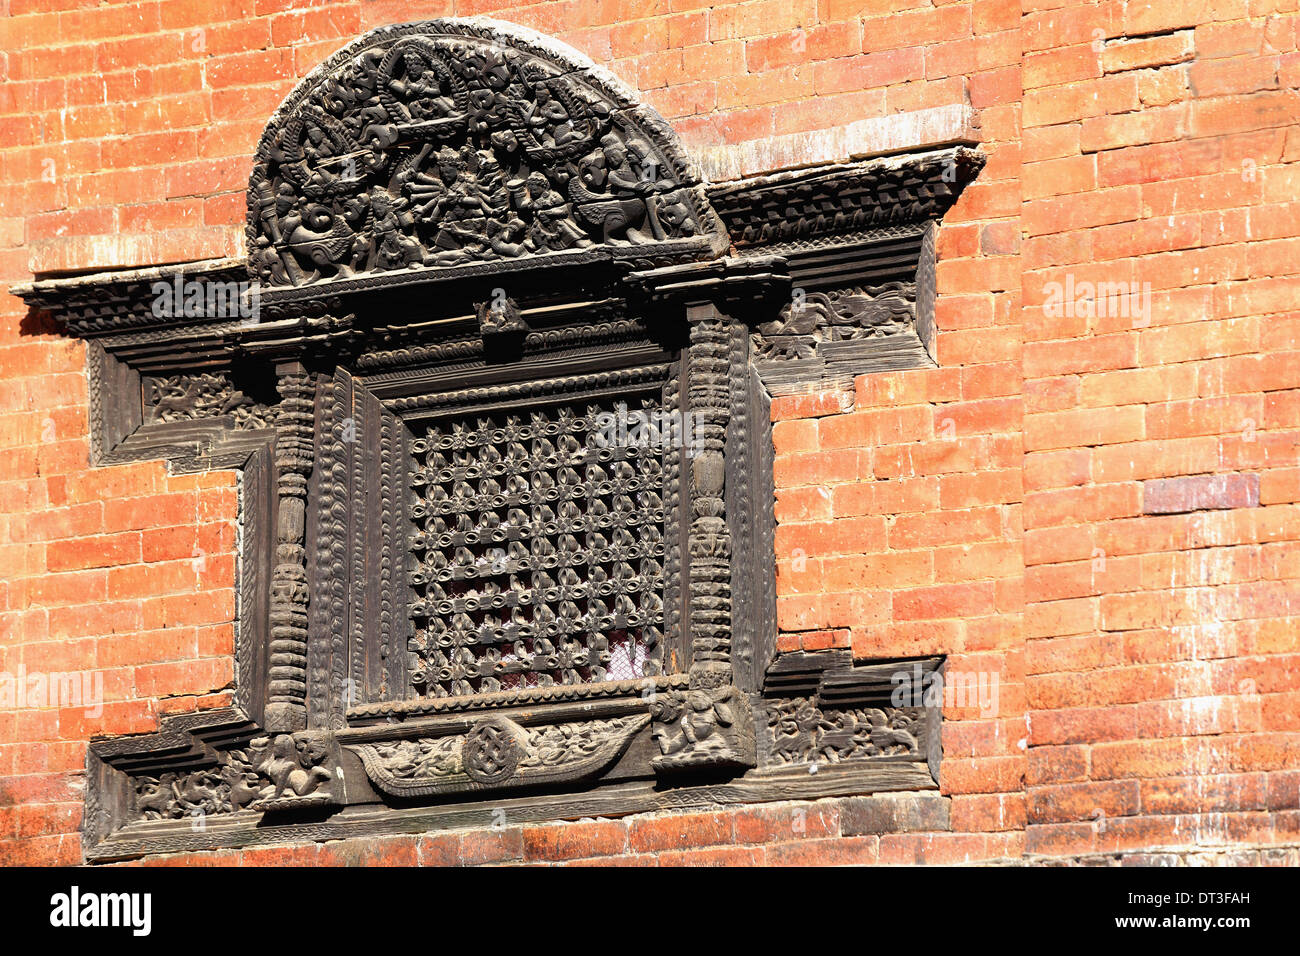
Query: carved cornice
{"type": "Point", "coordinates": [109, 303]}
{"type": "Point", "coordinates": [843, 198]}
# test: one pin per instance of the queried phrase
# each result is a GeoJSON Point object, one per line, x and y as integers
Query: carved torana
{"type": "Point", "coordinates": [439, 145]}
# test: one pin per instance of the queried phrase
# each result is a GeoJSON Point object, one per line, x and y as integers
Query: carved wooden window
{"type": "Point", "coordinates": [498, 389]}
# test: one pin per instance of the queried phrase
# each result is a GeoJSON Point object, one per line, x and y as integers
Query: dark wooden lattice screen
{"type": "Point", "coordinates": [539, 549]}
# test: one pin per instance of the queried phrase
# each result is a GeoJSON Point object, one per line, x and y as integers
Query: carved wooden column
{"type": "Point", "coordinates": [710, 722]}
{"type": "Point", "coordinates": [286, 709]}
{"type": "Point", "coordinates": [708, 388]}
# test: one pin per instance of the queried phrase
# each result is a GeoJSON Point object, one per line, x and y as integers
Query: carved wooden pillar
{"type": "Point", "coordinates": [286, 706]}
{"type": "Point", "coordinates": [708, 388]}
{"type": "Point", "coordinates": [709, 724]}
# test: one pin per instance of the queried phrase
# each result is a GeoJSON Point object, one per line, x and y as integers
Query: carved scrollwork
{"type": "Point", "coordinates": [452, 142]}
{"type": "Point", "coordinates": [497, 752]}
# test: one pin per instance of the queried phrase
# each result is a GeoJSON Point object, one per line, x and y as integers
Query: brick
{"type": "Point", "coordinates": [1205, 416]}
{"type": "Point", "coordinates": [1235, 114]}
{"type": "Point", "coordinates": [771, 824]}
{"type": "Point", "coordinates": [1151, 16]}
{"type": "Point", "coordinates": [842, 851]}
{"type": "Point", "coordinates": [564, 842]}
{"type": "Point", "coordinates": [93, 552]}
{"type": "Point", "coordinates": [953, 527]}
{"type": "Point", "coordinates": [1084, 427]}
{"type": "Point", "coordinates": [893, 813]}
{"type": "Point", "coordinates": [1199, 493]}
{"type": "Point", "coordinates": [1074, 505]}
{"type": "Point", "coordinates": [279, 856]}
{"type": "Point", "coordinates": [969, 600]}
{"type": "Point", "coordinates": [946, 848]}
{"type": "Point", "coordinates": [678, 832]}
{"type": "Point", "coordinates": [1122, 53]}
{"type": "Point", "coordinates": [714, 856]}
{"type": "Point", "coordinates": [372, 851]}
{"type": "Point", "coordinates": [476, 847]}
{"type": "Point", "coordinates": [1079, 802]}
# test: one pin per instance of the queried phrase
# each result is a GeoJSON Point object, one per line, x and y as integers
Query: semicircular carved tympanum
{"type": "Point", "coordinates": [447, 143]}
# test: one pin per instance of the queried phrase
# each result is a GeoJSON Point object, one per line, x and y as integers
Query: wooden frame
{"type": "Point", "coordinates": [407, 279]}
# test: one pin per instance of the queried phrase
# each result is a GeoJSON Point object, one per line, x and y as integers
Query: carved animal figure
{"type": "Point", "coordinates": [154, 797]}
{"type": "Point", "coordinates": [283, 766]}
{"type": "Point", "coordinates": [796, 732]}
{"type": "Point", "coordinates": [885, 738]}
{"type": "Point", "coordinates": [243, 785]}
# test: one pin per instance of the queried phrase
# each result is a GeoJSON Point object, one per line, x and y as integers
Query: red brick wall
{"type": "Point", "coordinates": [1007, 509]}
{"type": "Point", "coordinates": [1161, 647]}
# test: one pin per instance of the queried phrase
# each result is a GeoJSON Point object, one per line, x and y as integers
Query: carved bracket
{"type": "Point", "coordinates": [703, 727]}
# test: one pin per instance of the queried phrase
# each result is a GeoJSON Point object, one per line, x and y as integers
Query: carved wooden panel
{"type": "Point", "coordinates": [438, 145]}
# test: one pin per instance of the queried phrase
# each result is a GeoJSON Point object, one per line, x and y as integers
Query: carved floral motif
{"type": "Point", "coordinates": [498, 752]}
{"type": "Point", "coordinates": [799, 731]}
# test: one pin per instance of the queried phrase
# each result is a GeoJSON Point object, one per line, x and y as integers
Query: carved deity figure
{"type": "Point", "coordinates": [693, 720]}
{"type": "Point", "coordinates": [550, 227]}
{"type": "Point", "coordinates": [608, 193]}
{"type": "Point", "coordinates": [392, 224]}
{"type": "Point", "coordinates": [421, 89]}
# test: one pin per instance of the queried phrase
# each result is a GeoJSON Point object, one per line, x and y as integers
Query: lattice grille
{"type": "Point", "coordinates": [539, 550]}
